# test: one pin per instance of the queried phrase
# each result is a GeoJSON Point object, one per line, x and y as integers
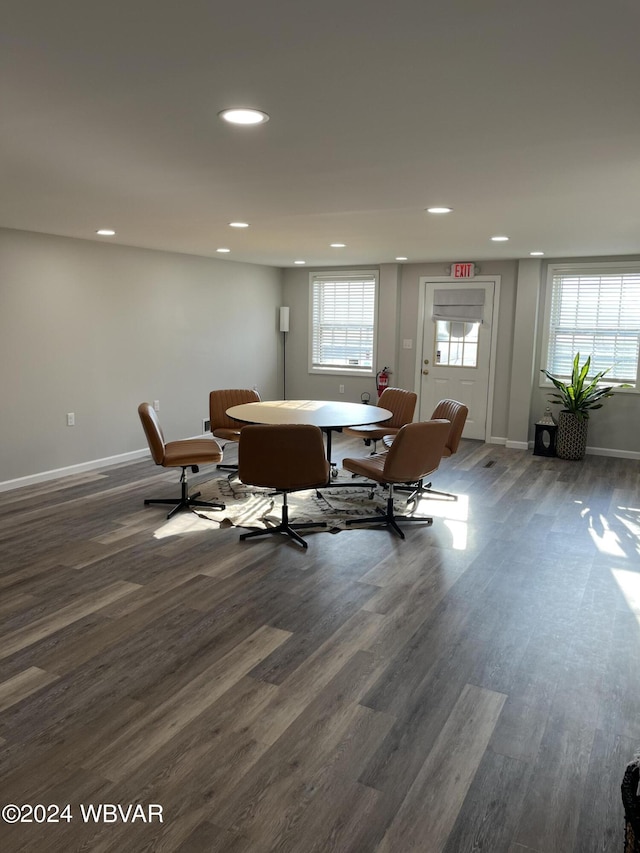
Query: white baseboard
{"type": "Point", "coordinates": [591, 451]}
{"type": "Point", "coordinates": [92, 465]}
{"type": "Point", "coordinates": [607, 451]}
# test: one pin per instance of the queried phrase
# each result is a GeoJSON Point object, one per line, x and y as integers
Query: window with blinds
{"type": "Point", "coordinates": [343, 317]}
{"type": "Point", "coordinates": [595, 313]}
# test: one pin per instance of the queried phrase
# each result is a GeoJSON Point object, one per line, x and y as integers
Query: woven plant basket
{"type": "Point", "coordinates": [571, 441]}
{"type": "Point", "coordinates": [631, 804]}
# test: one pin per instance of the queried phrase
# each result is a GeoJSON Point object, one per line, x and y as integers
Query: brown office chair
{"type": "Point", "coordinates": [221, 425]}
{"type": "Point", "coordinates": [456, 413]}
{"type": "Point", "coordinates": [287, 458]}
{"type": "Point", "coordinates": [415, 453]}
{"type": "Point", "coordinates": [402, 403]}
{"type": "Point", "coordinates": [187, 453]}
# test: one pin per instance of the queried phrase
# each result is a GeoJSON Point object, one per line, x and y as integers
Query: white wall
{"type": "Point", "coordinates": [95, 329]}
{"type": "Point", "coordinates": [613, 429]}
{"type": "Point", "coordinates": [411, 274]}
{"type": "Point", "coordinates": [398, 304]}
{"type": "Point", "coordinates": [303, 385]}
{"type": "Point", "coordinates": [519, 400]}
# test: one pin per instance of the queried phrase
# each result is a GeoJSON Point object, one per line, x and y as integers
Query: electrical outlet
{"type": "Point", "coordinates": [71, 418]}
{"type": "Point", "coordinates": [156, 405]}
{"type": "Point", "coordinates": [341, 389]}
{"type": "Point", "coordinates": [206, 425]}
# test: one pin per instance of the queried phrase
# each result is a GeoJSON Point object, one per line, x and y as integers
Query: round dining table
{"type": "Point", "coordinates": [329, 415]}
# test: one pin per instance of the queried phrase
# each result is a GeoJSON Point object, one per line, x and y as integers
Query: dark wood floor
{"type": "Point", "coordinates": [472, 688]}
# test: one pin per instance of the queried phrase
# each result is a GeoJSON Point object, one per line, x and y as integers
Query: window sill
{"type": "Point", "coordinates": [549, 386]}
{"type": "Point", "coordinates": [341, 371]}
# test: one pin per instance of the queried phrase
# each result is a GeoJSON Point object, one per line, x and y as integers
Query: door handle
{"type": "Point", "coordinates": [425, 372]}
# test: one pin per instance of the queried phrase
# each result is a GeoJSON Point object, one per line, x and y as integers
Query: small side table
{"type": "Point", "coordinates": [544, 443]}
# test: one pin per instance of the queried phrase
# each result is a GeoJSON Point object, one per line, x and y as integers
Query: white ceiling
{"type": "Point", "coordinates": [522, 116]}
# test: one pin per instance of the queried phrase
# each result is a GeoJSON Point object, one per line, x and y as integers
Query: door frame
{"type": "Point", "coordinates": [445, 280]}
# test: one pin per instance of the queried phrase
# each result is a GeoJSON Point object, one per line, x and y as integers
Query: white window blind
{"type": "Point", "coordinates": [343, 322]}
{"type": "Point", "coordinates": [597, 315]}
{"type": "Point", "coordinates": [465, 306]}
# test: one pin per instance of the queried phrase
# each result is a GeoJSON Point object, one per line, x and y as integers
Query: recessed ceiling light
{"type": "Point", "coordinates": [299, 262]}
{"type": "Point", "coordinates": [239, 224]}
{"type": "Point", "coordinates": [223, 250]}
{"type": "Point", "coordinates": [439, 209]}
{"type": "Point", "coordinates": [338, 245]}
{"type": "Point", "coordinates": [499, 239]}
{"type": "Point", "coordinates": [401, 259]}
{"type": "Point", "coordinates": [106, 232]}
{"type": "Point", "coordinates": [536, 254]}
{"type": "Point", "coordinates": [244, 116]}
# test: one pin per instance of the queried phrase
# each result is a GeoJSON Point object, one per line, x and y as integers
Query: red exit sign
{"type": "Point", "coordinates": [463, 270]}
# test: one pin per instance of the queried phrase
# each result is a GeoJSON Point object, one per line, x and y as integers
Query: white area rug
{"type": "Point", "coordinates": [249, 506]}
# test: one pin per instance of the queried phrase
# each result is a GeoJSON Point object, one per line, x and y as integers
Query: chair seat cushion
{"type": "Point", "coordinates": [191, 451]}
{"type": "Point", "coordinates": [368, 466]}
{"type": "Point", "coordinates": [371, 431]}
{"type": "Point", "coordinates": [227, 434]}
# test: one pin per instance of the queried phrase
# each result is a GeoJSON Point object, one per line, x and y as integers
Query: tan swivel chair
{"type": "Point", "coordinates": [401, 403]}
{"type": "Point", "coordinates": [187, 453]}
{"type": "Point", "coordinates": [221, 425]}
{"type": "Point", "coordinates": [287, 458]}
{"type": "Point", "coordinates": [416, 452]}
{"type": "Point", "coordinates": [456, 413]}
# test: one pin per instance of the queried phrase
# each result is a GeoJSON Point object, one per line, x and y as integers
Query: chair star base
{"type": "Point", "coordinates": [389, 519]}
{"type": "Point", "coordinates": [420, 490]}
{"type": "Point", "coordinates": [232, 468]}
{"type": "Point", "coordinates": [285, 527]}
{"type": "Point", "coordinates": [186, 501]}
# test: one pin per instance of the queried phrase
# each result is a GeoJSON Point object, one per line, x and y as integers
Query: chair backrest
{"type": "Point", "coordinates": [282, 456]}
{"type": "Point", "coordinates": [402, 403]}
{"type": "Point", "coordinates": [457, 413]}
{"type": "Point", "coordinates": [223, 399]}
{"type": "Point", "coordinates": [416, 451]}
{"type": "Point", "coordinates": [153, 431]}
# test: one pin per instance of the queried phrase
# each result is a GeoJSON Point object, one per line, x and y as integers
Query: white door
{"type": "Point", "coordinates": [457, 358]}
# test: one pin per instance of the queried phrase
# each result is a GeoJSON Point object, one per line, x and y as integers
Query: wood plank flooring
{"type": "Point", "coordinates": [473, 688]}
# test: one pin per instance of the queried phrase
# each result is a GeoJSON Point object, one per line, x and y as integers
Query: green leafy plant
{"type": "Point", "coordinates": [581, 394]}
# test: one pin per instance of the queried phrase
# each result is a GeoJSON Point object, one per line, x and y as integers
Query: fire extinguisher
{"type": "Point", "coordinates": [382, 379]}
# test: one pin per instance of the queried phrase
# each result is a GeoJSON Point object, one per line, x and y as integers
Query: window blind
{"type": "Point", "coordinates": [597, 315]}
{"type": "Point", "coordinates": [342, 318]}
{"type": "Point", "coordinates": [466, 306]}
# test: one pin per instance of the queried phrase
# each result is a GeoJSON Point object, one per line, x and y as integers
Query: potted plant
{"type": "Point", "coordinates": [577, 398]}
